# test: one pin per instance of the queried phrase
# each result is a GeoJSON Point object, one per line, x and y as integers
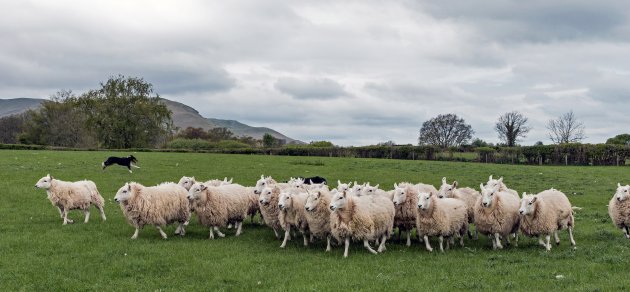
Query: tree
{"type": "Point", "coordinates": [387, 143]}
{"type": "Point", "coordinates": [268, 140]}
{"type": "Point", "coordinates": [479, 143]}
{"type": "Point", "coordinates": [10, 127]}
{"type": "Point", "coordinates": [58, 122]}
{"type": "Point", "coordinates": [321, 144]}
{"type": "Point", "coordinates": [566, 129]}
{"type": "Point", "coordinates": [125, 113]}
{"type": "Point", "coordinates": [193, 133]}
{"type": "Point", "coordinates": [623, 139]}
{"type": "Point", "coordinates": [511, 126]}
{"type": "Point", "coordinates": [219, 134]}
{"type": "Point", "coordinates": [445, 131]}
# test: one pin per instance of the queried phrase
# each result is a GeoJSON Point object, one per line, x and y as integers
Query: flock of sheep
{"type": "Point", "coordinates": [350, 212]}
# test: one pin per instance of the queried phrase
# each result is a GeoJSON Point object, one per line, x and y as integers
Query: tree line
{"type": "Point", "coordinates": [449, 130]}
{"type": "Point", "coordinates": [123, 113]}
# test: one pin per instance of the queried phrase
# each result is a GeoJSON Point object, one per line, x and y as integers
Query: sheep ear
{"type": "Point", "coordinates": [455, 184]}
{"type": "Point", "coordinates": [349, 184]}
{"type": "Point", "coordinates": [395, 185]}
{"type": "Point", "coordinates": [355, 183]}
{"type": "Point", "coordinates": [618, 185]}
{"type": "Point", "coordinates": [192, 178]}
{"type": "Point", "coordinates": [310, 181]}
{"type": "Point", "coordinates": [444, 180]}
{"type": "Point", "coordinates": [534, 198]}
{"type": "Point", "coordinates": [204, 187]}
{"type": "Point", "coordinates": [524, 195]}
{"type": "Point", "coordinates": [430, 194]}
{"type": "Point", "coordinates": [501, 179]}
{"type": "Point", "coordinates": [481, 187]}
{"type": "Point", "coordinates": [376, 186]}
{"type": "Point", "coordinates": [490, 178]}
{"type": "Point", "coordinates": [338, 182]}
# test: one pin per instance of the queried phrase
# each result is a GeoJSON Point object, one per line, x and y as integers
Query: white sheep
{"type": "Point", "coordinates": [158, 205]}
{"type": "Point", "coordinates": [496, 215]}
{"type": "Point", "coordinates": [218, 206]}
{"type": "Point", "coordinates": [405, 199]}
{"type": "Point", "coordinates": [468, 195]}
{"type": "Point", "coordinates": [318, 214]}
{"type": "Point", "coordinates": [619, 209]}
{"type": "Point", "coordinates": [268, 181]}
{"type": "Point", "coordinates": [366, 219]}
{"type": "Point", "coordinates": [187, 182]}
{"type": "Point", "coordinates": [292, 214]}
{"type": "Point", "coordinates": [441, 217]}
{"type": "Point", "coordinates": [67, 196]}
{"type": "Point", "coordinates": [357, 188]}
{"type": "Point", "coordinates": [502, 187]}
{"type": "Point", "coordinates": [368, 190]}
{"type": "Point", "coordinates": [546, 213]}
{"type": "Point", "coordinates": [268, 202]}
{"type": "Point", "coordinates": [343, 187]}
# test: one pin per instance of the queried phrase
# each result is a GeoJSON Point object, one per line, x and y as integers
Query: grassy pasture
{"type": "Point", "coordinates": [38, 253]}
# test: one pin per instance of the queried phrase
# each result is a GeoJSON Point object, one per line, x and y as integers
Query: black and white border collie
{"type": "Point", "coordinates": [314, 180]}
{"type": "Point", "coordinates": [129, 162]}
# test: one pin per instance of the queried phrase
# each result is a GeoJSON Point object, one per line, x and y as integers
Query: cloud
{"type": "Point", "coordinates": [354, 72]}
{"type": "Point", "coordinates": [323, 88]}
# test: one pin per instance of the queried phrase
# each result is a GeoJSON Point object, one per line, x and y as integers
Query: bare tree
{"type": "Point", "coordinates": [566, 129]}
{"type": "Point", "coordinates": [445, 131]}
{"type": "Point", "coordinates": [512, 126]}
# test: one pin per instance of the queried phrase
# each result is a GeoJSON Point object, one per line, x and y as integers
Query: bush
{"type": "Point", "coordinates": [230, 144]}
{"type": "Point", "coordinates": [193, 144]}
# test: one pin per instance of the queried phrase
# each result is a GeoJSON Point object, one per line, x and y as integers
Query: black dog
{"type": "Point", "coordinates": [314, 180]}
{"type": "Point", "coordinates": [123, 161]}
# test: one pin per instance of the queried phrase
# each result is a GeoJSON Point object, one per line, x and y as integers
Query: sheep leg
{"type": "Point", "coordinates": [161, 231]}
{"type": "Point", "coordinates": [541, 242]}
{"type": "Point", "coordinates": [427, 244]}
{"type": "Point", "coordinates": [86, 213]}
{"type": "Point", "coordinates": [626, 232]}
{"type": "Point", "coordinates": [135, 234]}
{"type": "Point", "coordinates": [305, 239]}
{"type": "Point", "coordinates": [347, 245]}
{"type": "Point", "coordinates": [218, 232]}
{"type": "Point", "coordinates": [102, 212]}
{"type": "Point", "coordinates": [211, 233]}
{"type": "Point", "coordinates": [516, 240]}
{"type": "Point", "coordinates": [65, 217]}
{"type": "Point", "coordinates": [555, 236]}
{"type": "Point", "coordinates": [239, 228]}
{"type": "Point", "coordinates": [229, 226]}
{"type": "Point", "coordinates": [180, 230]}
{"type": "Point", "coordinates": [419, 236]}
{"type": "Point", "coordinates": [461, 241]}
{"type": "Point", "coordinates": [60, 212]}
{"type": "Point", "coordinates": [548, 245]}
{"type": "Point", "coordinates": [381, 247]}
{"type": "Point", "coordinates": [441, 240]}
{"type": "Point", "coordinates": [328, 243]}
{"type": "Point", "coordinates": [366, 243]}
{"type": "Point", "coordinates": [571, 235]}
{"type": "Point", "coordinates": [476, 233]}
{"type": "Point", "coordinates": [276, 233]}
{"type": "Point", "coordinates": [312, 238]}
{"type": "Point", "coordinates": [287, 236]}
{"type": "Point", "coordinates": [497, 238]}
{"type": "Point", "coordinates": [408, 238]}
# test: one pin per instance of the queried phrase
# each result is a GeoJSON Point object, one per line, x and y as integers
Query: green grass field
{"type": "Point", "coordinates": [38, 253]}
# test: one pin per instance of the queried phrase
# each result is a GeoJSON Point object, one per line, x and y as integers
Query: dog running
{"type": "Point", "coordinates": [129, 162]}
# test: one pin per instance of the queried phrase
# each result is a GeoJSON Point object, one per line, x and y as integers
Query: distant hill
{"type": "Point", "coordinates": [18, 105]}
{"type": "Point", "coordinates": [183, 116]}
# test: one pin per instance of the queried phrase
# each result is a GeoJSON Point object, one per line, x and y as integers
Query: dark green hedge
{"type": "Point", "coordinates": [564, 154]}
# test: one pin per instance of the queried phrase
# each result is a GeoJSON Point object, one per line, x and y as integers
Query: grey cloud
{"type": "Point", "coordinates": [536, 21]}
{"type": "Point", "coordinates": [320, 88]}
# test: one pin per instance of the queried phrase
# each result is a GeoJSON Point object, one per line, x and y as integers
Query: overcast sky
{"type": "Point", "coordinates": [352, 72]}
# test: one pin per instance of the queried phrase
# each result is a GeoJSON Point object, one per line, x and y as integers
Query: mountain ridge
{"type": "Point", "coordinates": [183, 116]}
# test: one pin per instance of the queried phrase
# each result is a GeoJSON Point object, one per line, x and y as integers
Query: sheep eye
{"type": "Point", "coordinates": [530, 203]}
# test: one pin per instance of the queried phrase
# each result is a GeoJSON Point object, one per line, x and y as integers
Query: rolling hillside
{"type": "Point", "coordinates": [183, 116]}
